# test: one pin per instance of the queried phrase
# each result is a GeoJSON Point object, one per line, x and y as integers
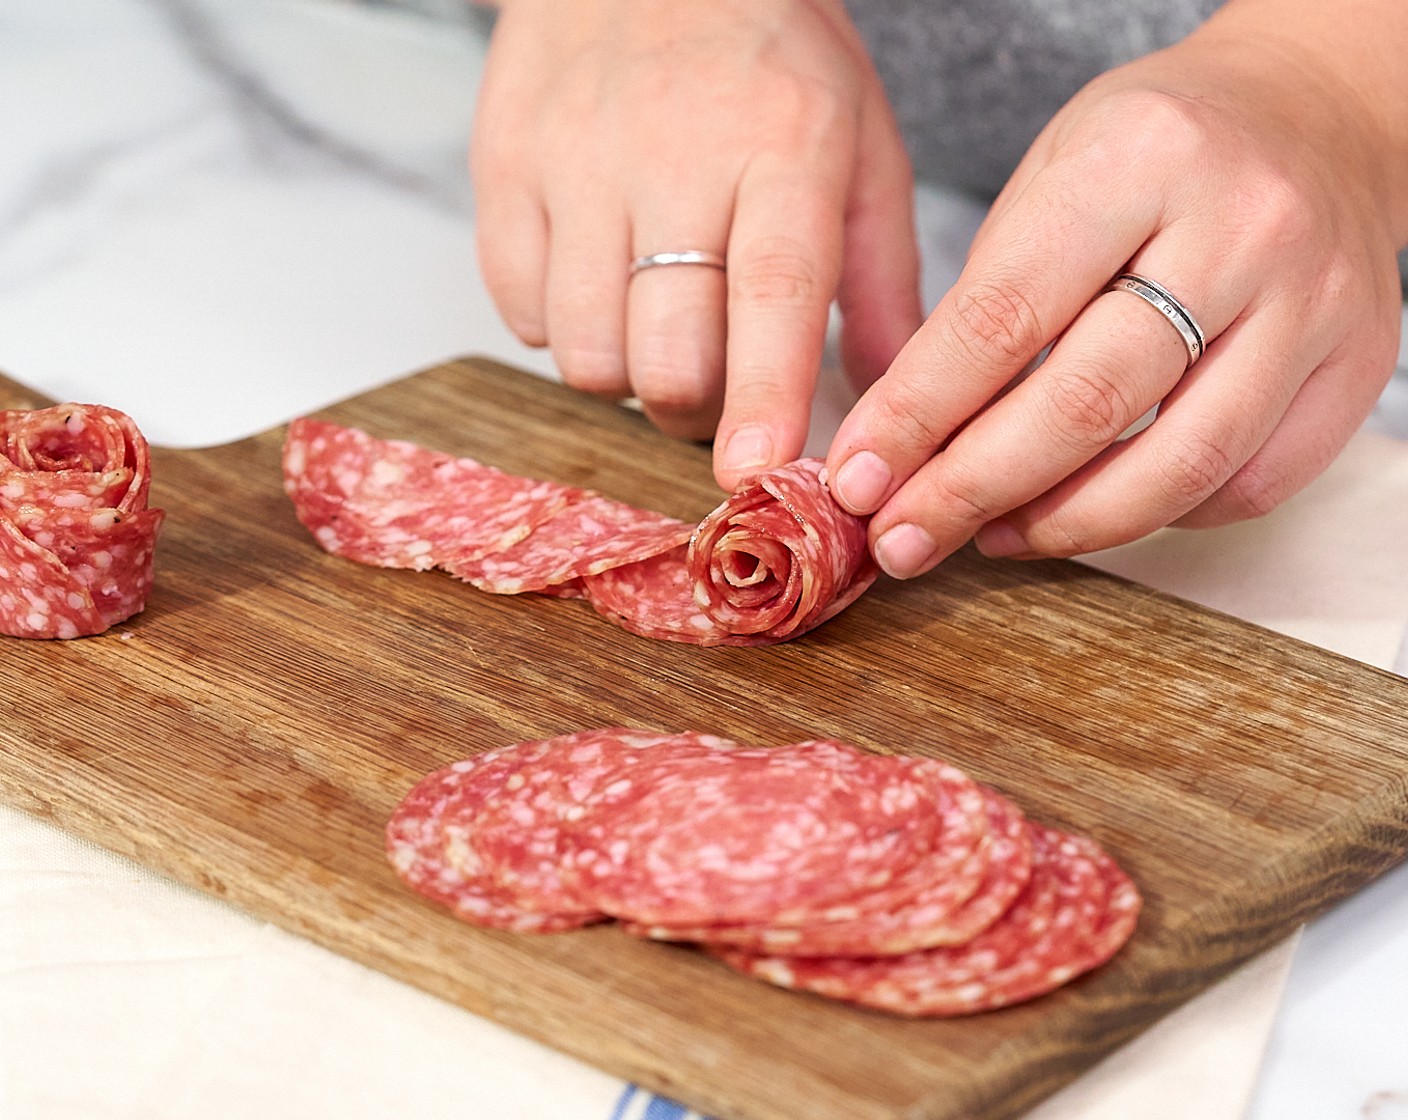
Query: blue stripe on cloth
{"type": "Point", "coordinates": [627, 1095]}
{"type": "Point", "coordinates": [662, 1108]}
{"type": "Point", "coordinates": [635, 1104]}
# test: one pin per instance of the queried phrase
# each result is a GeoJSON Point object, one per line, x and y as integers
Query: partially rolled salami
{"type": "Point", "coordinates": [77, 541]}
{"type": "Point", "coordinates": [776, 559]}
{"type": "Point", "coordinates": [779, 556]}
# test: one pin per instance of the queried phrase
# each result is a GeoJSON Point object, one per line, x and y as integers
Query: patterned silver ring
{"type": "Point", "coordinates": [1163, 301]}
{"type": "Point", "coordinates": [684, 256]}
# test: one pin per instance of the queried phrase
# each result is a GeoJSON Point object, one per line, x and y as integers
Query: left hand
{"type": "Point", "coordinates": [1245, 177]}
{"type": "Point", "coordinates": [756, 130]}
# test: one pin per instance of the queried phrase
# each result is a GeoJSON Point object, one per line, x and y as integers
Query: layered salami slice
{"type": "Point", "coordinates": [775, 560]}
{"type": "Point", "coordinates": [654, 598]}
{"type": "Point", "coordinates": [434, 842]}
{"type": "Point", "coordinates": [394, 504]}
{"type": "Point", "coordinates": [893, 882]}
{"type": "Point", "coordinates": [591, 535]}
{"type": "Point", "coordinates": [948, 897]}
{"type": "Point", "coordinates": [1062, 924]}
{"type": "Point", "coordinates": [525, 831]}
{"type": "Point", "coordinates": [751, 835]}
{"type": "Point", "coordinates": [77, 539]}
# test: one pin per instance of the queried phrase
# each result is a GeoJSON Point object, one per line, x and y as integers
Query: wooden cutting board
{"type": "Point", "coordinates": [250, 733]}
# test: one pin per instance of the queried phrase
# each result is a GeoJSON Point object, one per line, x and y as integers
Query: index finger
{"type": "Point", "coordinates": [1034, 268]}
{"type": "Point", "coordinates": [784, 264]}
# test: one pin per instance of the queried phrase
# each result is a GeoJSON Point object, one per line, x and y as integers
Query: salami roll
{"type": "Point", "coordinates": [779, 556]}
{"type": "Point", "coordinates": [77, 541]}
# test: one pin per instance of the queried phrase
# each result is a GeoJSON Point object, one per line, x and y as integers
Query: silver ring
{"type": "Point", "coordinates": [1163, 301]}
{"type": "Point", "coordinates": [684, 256]}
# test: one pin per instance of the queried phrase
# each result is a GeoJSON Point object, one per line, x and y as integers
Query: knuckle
{"type": "Point", "coordinates": [1059, 536]}
{"type": "Point", "coordinates": [1340, 281]}
{"type": "Point", "coordinates": [1254, 490]}
{"type": "Point", "coordinates": [1159, 128]}
{"type": "Point", "coordinates": [775, 272]}
{"type": "Point", "coordinates": [1193, 469]}
{"type": "Point", "coordinates": [907, 416]}
{"type": "Point", "coordinates": [592, 370]}
{"type": "Point", "coordinates": [1087, 406]}
{"type": "Point", "coordinates": [673, 378]}
{"type": "Point", "coordinates": [1273, 213]}
{"type": "Point", "coordinates": [672, 391]}
{"type": "Point", "coordinates": [959, 489]}
{"type": "Point", "coordinates": [993, 322]}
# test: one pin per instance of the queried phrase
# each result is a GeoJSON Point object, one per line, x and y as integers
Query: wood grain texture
{"type": "Point", "coordinates": [251, 732]}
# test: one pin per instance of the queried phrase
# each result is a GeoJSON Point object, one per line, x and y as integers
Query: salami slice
{"type": "Point", "coordinates": [946, 898]}
{"type": "Point", "coordinates": [432, 841]}
{"type": "Point", "coordinates": [77, 540]}
{"type": "Point", "coordinates": [749, 835]}
{"type": "Point", "coordinates": [775, 560]}
{"type": "Point", "coordinates": [592, 535]}
{"type": "Point", "coordinates": [1051, 934]}
{"type": "Point", "coordinates": [654, 598]}
{"type": "Point", "coordinates": [524, 831]}
{"type": "Point", "coordinates": [392, 504]}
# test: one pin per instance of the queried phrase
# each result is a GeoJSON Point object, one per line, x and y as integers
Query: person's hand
{"type": "Point", "coordinates": [1255, 184]}
{"type": "Point", "coordinates": [754, 129]}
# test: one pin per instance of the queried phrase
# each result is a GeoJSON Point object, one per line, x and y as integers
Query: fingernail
{"type": "Point", "coordinates": [905, 550]}
{"type": "Point", "coordinates": [861, 482]}
{"type": "Point", "coordinates": [748, 449]}
{"type": "Point", "coordinates": [998, 540]}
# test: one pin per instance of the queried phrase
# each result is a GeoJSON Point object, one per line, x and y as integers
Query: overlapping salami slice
{"type": "Point", "coordinates": [77, 540]}
{"type": "Point", "coordinates": [591, 535]}
{"type": "Point", "coordinates": [772, 562]}
{"type": "Point", "coordinates": [892, 882]}
{"type": "Point", "coordinates": [393, 504]}
{"type": "Point", "coordinates": [434, 843]}
{"type": "Point", "coordinates": [1074, 913]}
{"type": "Point", "coordinates": [948, 897]}
{"type": "Point", "coordinates": [524, 832]}
{"type": "Point", "coordinates": [754, 834]}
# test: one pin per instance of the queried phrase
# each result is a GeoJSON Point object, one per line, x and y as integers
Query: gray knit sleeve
{"type": "Point", "coordinates": [974, 81]}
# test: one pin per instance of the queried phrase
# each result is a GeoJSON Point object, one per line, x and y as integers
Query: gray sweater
{"type": "Point", "coordinates": [974, 81]}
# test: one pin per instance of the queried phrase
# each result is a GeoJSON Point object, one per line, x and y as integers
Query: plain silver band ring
{"type": "Point", "coordinates": [1163, 301]}
{"type": "Point", "coordinates": [684, 256]}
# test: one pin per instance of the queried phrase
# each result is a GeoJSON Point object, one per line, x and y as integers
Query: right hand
{"type": "Point", "coordinates": [756, 129]}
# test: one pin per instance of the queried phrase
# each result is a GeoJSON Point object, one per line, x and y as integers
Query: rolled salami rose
{"type": "Point", "coordinates": [779, 556]}
{"type": "Point", "coordinates": [77, 541]}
